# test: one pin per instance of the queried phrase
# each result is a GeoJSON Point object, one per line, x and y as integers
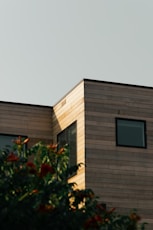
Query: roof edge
{"type": "Point", "coordinates": [118, 83]}
{"type": "Point", "coordinates": [25, 104]}
{"type": "Point", "coordinates": [68, 92]}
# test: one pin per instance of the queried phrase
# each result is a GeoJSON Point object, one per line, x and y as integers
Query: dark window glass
{"type": "Point", "coordinates": [68, 136]}
{"type": "Point", "coordinates": [130, 132]}
{"type": "Point", "coordinates": [6, 140]}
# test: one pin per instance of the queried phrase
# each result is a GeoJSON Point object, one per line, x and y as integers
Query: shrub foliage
{"type": "Point", "coordinates": [35, 193]}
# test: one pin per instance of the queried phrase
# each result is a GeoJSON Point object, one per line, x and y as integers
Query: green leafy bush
{"type": "Point", "coordinates": [35, 193]}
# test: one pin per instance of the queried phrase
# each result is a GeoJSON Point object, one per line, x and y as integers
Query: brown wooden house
{"type": "Point", "coordinates": [109, 127]}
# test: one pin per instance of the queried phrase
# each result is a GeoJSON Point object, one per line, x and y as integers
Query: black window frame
{"type": "Point", "coordinates": [131, 145]}
{"type": "Point", "coordinates": [71, 161]}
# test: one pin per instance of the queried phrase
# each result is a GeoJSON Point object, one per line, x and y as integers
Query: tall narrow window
{"type": "Point", "coordinates": [68, 136]}
{"type": "Point", "coordinates": [130, 133]}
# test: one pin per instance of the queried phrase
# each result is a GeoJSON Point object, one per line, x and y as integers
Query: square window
{"type": "Point", "coordinates": [68, 136]}
{"type": "Point", "coordinates": [130, 133]}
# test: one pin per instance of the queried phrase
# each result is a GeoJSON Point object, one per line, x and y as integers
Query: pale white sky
{"type": "Point", "coordinates": [48, 46]}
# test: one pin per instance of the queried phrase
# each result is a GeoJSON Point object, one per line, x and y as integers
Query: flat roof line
{"type": "Point", "coordinates": [118, 83]}
{"type": "Point", "coordinates": [25, 104]}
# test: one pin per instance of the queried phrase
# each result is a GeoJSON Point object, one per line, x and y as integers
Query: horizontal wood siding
{"type": "Point", "coordinates": [121, 176]}
{"type": "Point", "coordinates": [30, 120]}
{"type": "Point", "coordinates": [66, 111]}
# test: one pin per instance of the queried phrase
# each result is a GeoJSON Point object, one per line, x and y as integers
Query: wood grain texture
{"type": "Point", "coordinates": [29, 120]}
{"type": "Point", "coordinates": [66, 111]}
{"type": "Point", "coordinates": [121, 176]}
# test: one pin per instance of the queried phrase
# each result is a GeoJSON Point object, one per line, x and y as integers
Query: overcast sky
{"type": "Point", "coordinates": [48, 46]}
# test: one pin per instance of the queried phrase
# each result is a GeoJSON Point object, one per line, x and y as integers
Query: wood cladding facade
{"type": "Point", "coordinates": [27, 120]}
{"type": "Point", "coordinates": [121, 176]}
{"type": "Point", "coordinates": [71, 109]}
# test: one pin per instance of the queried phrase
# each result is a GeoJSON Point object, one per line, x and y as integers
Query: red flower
{"type": "Point", "coordinates": [34, 191]}
{"type": "Point", "coordinates": [93, 222]}
{"type": "Point", "coordinates": [12, 157]}
{"type": "Point", "coordinates": [135, 217]}
{"type": "Point", "coordinates": [45, 169]}
{"type": "Point", "coordinates": [19, 141]}
{"type": "Point", "coordinates": [26, 141]}
{"type": "Point", "coordinates": [32, 167]}
{"type": "Point", "coordinates": [111, 210]}
{"type": "Point", "coordinates": [31, 164]}
{"type": "Point", "coordinates": [61, 151]}
{"type": "Point", "coordinates": [98, 218]}
{"type": "Point", "coordinates": [45, 208]}
{"type": "Point", "coordinates": [52, 146]}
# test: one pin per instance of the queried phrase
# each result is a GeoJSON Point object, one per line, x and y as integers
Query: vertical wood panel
{"type": "Point", "coordinates": [66, 111]}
